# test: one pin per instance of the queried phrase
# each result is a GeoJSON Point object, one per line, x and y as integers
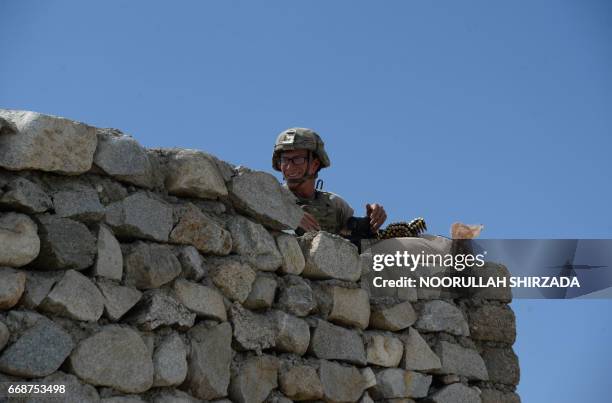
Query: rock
{"type": "Point", "coordinates": [329, 256]}
{"type": "Point", "coordinates": [457, 392]}
{"type": "Point", "coordinates": [122, 399]}
{"type": "Point", "coordinates": [37, 287]}
{"type": "Point", "coordinates": [118, 300]}
{"type": "Point", "coordinates": [12, 285]}
{"type": "Point", "coordinates": [369, 377]}
{"type": "Point", "coordinates": [383, 350]}
{"type": "Point", "coordinates": [195, 228]}
{"type": "Point", "coordinates": [149, 265]}
{"type": "Point", "coordinates": [253, 242]}
{"type": "Point", "coordinates": [4, 335]}
{"type": "Point", "coordinates": [398, 383]}
{"type": "Point", "coordinates": [301, 382]}
{"type": "Point", "coordinates": [350, 307]}
{"type": "Point", "coordinates": [24, 196]}
{"type": "Point", "coordinates": [260, 196]}
{"type": "Point", "coordinates": [76, 392]}
{"type": "Point", "coordinates": [39, 351]}
{"type": "Point", "coordinates": [123, 158]}
{"type": "Point", "coordinates": [64, 244]}
{"type": "Point", "coordinates": [40, 142]}
{"type": "Point", "coordinates": [19, 240]}
{"type": "Point", "coordinates": [75, 297]}
{"type": "Point", "coordinates": [493, 323]}
{"type": "Point", "coordinates": [492, 270]}
{"type": "Point", "coordinates": [394, 318]}
{"type": "Point", "coordinates": [496, 396]}
{"type": "Point", "coordinates": [459, 360]}
{"type": "Point", "coordinates": [83, 205]}
{"type": "Point", "coordinates": [194, 173]}
{"type": "Point", "coordinates": [340, 383]}
{"type": "Point", "coordinates": [262, 293]}
{"type": "Point", "coordinates": [174, 396]}
{"type": "Point", "coordinates": [254, 379]}
{"type": "Point", "coordinates": [417, 354]}
{"type": "Point", "coordinates": [206, 302]}
{"type": "Point", "coordinates": [337, 343]}
{"type": "Point", "coordinates": [440, 316]}
{"type": "Point", "coordinates": [140, 216]}
{"type": "Point", "coordinates": [109, 260]}
{"type": "Point", "coordinates": [115, 357]}
{"type": "Point", "coordinates": [233, 278]}
{"type": "Point", "coordinates": [192, 263]}
{"type": "Point", "coordinates": [156, 309]}
{"type": "Point", "coordinates": [502, 365]}
{"type": "Point", "coordinates": [292, 334]}
{"type": "Point", "coordinates": [251, 331]}
{"type": "Point", "coordinates": [366, 398]}
{"type": "Point", "coordinates": [170, 361]}
{"type": "Point", "coordinates": [293, 258]}
{"type": "Point", "coordinates": [296, 296]}
{"type": "Point", "coordinates": [209, 360]}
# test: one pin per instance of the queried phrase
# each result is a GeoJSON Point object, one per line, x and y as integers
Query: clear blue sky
{"type": "Point", "coordinates": [485, 112]}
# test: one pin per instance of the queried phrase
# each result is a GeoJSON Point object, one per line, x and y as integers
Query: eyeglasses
{"type": "Point", "coordinates": [295, 160]}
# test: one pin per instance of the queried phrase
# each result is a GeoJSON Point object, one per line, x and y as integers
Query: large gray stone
{"type": "Point", "coordinates": [64, 244]}
{"type": "Point", "coordinates": [350, 307]}
{"type": "Point", "coordinates": [82, 205]}
{"type": "Point", "coordinates": [122, 157]}
{"type": "Point", "coordinates": [337, 343]}
{"type": "Point", "coordinates": [75, 297]}
{"type": "Point", "coordinates": [502, 365]}
{"type": "Point", "coordinates": [38, 285]}
{"type": "Point", "coordinates": [4, 335]}
{"type": "Point", "coordinates": [497, 396]}
{"type": "Point", "coordinates": [170, 361]}
{"type": "Point", "coordinates": [329, 256]}
{"type": "Point", "coordinates": [440, 316]}
{"type": "Point", "coordinates": [118, 300]}
{"type": "Point", "coordinates": [417, 353]}
{"type": "Point", "coordinates": [174, 396]}
{"type": "Point", "coordinates": [156, 309]}
{"type": "Point", "coordinates": [12, 285]}
{"type": "Point", "coordinates": [296, 296]}
{"type": "Point", "coordinates": [292, 334]}
{"type": "Point", "coordinates": [116, 357]}
{"type": "Point", "coordinates": [209, 361]}
{"type": "Point", "coordinates": [493, 323]}
{"type": "Point", "coordinates": [22, 195]}
{"type": "Point", "coordinates": [195, 228]}
{"type": "Point", "coordinates": [194, 173]}
{"type": "Point", "coordinates": [393, 318]}
{"type": "Point", "coordinates": [149, 265]}
{"type": "Point", "coordinates": [233, 278]}
{"type": "Point", "coordinates": [301, 382]}
{"type": "Point", "coordinates": [39, 351]}
{"type": "Point", "coordinates": [293, 258]}
{"type": "Point", "coordinates": [206, 302]}
{"type": "Point", "coordinates": [194, 267]}
{"type": "Point", "coordinates": [19, 240]}
{"type": "Point", "coordinates": [340, 383]}
{"type": "Point", "coordinates": [76, 391]}
{"type": "Point", "coordinates": [140, 216]}
{"type": "Point", "coordinates": [457, 392]}
{"type": "Point", "coordinates": [254, 243]}
{"type": "Point", "coordinates": [459, 360]}
{"type": "Point", "coordinates": [109, 260]}
{"type": "Point", "coordinates": [40, 142]}
{"type": "Point", "coordinates": [252, 331]}
{"type": "Point", "coordinates": [393, 383]}
{"type": "Point", "coordinates": [262, 293]}
{"type": "Point", "coordinates": [259, 195]}
{"type": "Point", "coordinates": [253, 379]}
{"type": "Point", "coordinates": [383, 349]}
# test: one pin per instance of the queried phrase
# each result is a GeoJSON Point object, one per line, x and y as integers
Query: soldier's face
{"type": "Point", "coordinates": [294, 164]}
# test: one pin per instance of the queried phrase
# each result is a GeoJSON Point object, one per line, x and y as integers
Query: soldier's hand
{"type": "Point", "coordinates": [377, 215]}
{"type": "Point", "coordinates": [309, 223]}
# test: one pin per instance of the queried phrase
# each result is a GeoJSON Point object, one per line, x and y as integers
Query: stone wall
{"type": "Point", "coordinates": [164, 275]}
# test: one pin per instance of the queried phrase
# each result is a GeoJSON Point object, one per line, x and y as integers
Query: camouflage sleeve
{"type": "Point", "coordinates": [345, 211]}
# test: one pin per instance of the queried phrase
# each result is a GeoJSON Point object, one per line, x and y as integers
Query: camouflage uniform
{"type": "Point", "coordinates": [333, 213]}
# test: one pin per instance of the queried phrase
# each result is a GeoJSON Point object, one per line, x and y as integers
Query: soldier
{"type": "Point", "coordinates": [299, 154]}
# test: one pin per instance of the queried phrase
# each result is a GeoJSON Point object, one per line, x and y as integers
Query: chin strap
{"type": "Point", "coordinates": [304, 177]}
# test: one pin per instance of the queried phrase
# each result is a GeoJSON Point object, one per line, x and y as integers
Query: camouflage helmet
{"type": "Point", "coordinates": [299, 138]}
